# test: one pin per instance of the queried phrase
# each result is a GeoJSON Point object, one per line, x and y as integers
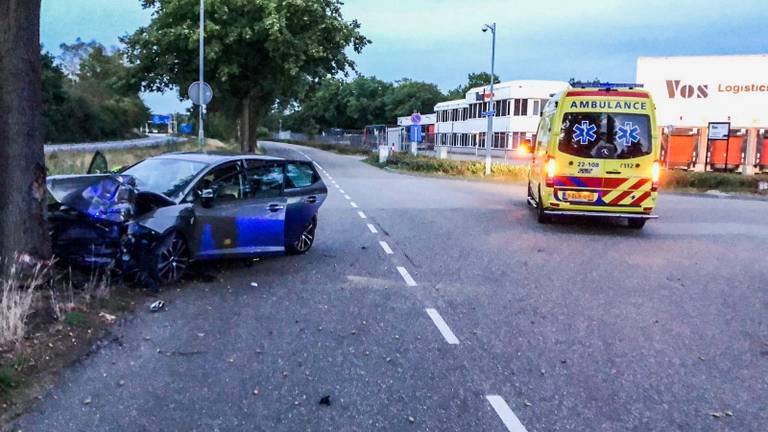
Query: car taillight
{"type": "Point", "coordinates": [655, 172]}
{"type": "Point", "coordinates": [551, 169]}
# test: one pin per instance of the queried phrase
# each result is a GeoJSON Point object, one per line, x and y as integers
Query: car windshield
{"type": "Point", "coordinates": [165, 176]}
{"type": "Point", "coordinates": [605, 135]}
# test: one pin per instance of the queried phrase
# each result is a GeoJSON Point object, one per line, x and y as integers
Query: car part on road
{"type": "Point", "coordinates": [157, 306]}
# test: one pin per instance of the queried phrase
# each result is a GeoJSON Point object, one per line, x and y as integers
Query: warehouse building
{"type": "Point", "coordinates": [713, 110]}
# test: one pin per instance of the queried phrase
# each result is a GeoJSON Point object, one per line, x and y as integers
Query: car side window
{"type": "Point", "coordinates": [300, 174]}
{"type": "Point", "coordinates": [264, 179]}
{"type": "Point", "coordinates": [225, 182]}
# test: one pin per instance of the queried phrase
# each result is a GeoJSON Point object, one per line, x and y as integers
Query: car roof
{"type": "Point", "coordinates": [215, 157]}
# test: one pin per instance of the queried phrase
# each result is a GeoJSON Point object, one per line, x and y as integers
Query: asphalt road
{"type": "Point", "coordinates": [479, 319]}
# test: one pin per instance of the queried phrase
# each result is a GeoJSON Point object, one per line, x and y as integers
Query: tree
{"type": "Point", "coordinates": [257, 51]}
{"type": "Point", "coordinates": [99, 102]}
{"type": "Point", "coordinates": [23, 227]}
{"type": "Point", "coordinates": [408, 96]}
{"type": "Point", "coordinates": [478, 79]}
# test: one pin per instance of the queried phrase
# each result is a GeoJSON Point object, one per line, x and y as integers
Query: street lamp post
{"type": "Point", "coordinates": [489, 113]}
{"type": "Point", "coordinates": [201, 107]}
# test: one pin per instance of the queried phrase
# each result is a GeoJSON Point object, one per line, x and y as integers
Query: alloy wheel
{"type": "Point", "coordinates": [173, 259]}
{"type": "Point", "coordinates": [306, 238]}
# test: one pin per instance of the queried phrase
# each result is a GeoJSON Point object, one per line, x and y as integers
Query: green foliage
{"type": "Point", "coordinates": [220, 126]}
{"type": "Point", "coordinates": [257, 51]}
{"type": "Point", "coordinates": [98, 101]}
{"type": "Point", "coordinates": [76, 319]}
{"type": "Point", "coordinates": [360, 102]}
{"type": "Point", "coordinates": [478, 79]}
{"type": "Point", "coordinates": [408, 96]}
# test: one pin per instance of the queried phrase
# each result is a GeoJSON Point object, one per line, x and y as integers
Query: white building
{"type": "Point", "coordinates": [518, 105]}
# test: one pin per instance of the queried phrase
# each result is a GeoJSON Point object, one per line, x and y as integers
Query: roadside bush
{"type": "Point", "coordinates": [703, 181]}
{"type": "Point", "coordinates": [426, 164]}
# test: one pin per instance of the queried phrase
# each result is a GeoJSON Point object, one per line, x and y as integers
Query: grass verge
{"type": "Point", "coordinates": [77, 162]}
{"type": "Point", "coordinates": [448, 167]}
{"type": "Point", "coordinates": [50, 317]}
{"type": "Point", "coordinates": [670, 180]}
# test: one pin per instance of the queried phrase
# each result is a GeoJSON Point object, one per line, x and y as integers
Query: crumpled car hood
{"type": "Point", "coordinates": [109, 197]}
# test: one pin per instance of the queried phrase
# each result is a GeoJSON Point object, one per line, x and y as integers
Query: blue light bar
{"type": "Point", "coordinates": [606, 85]}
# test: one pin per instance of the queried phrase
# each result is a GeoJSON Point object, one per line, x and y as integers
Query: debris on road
{"type": "Point", "coordinates": [716, 414]}
{"type": "Point", "coordinates": [254, 284]}
{"type": "Point", "coordinates": [325, 400]}
{"type": "Point", "coordinates": [411, 419]}
{"type": "Point", "coordinates": [87, 401]}
{"type": "Point", "coordinates": [157, 306]}
{"type": "Point", "coordinates": [256, 392]}
{"type": "Point", "coordinates": [107, 317]}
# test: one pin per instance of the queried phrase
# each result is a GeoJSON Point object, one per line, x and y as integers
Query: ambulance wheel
{"type": "Point", "coordinates": [541, 217]}
{"type": "Point", "coordinates": [637, 224]}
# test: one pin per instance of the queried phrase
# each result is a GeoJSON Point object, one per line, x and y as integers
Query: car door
{"type": "Point", "coordinates": [261, 224]}
{"type": "Point", "coordinates": [217, 201]}
{"type": "Point", "coordinates": [305, 193]}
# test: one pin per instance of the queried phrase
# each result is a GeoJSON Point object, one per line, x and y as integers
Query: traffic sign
{"type": "Point", "coordinates": [416, 133]}
{"type": "Point", "coordinates": [194, 93]}
{"type": "Point", "coordinates": [416, 118]}
{"type": "Point", "coordinates": [490, 113]}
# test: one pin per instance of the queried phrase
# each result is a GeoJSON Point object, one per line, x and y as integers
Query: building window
{"type": "Point", "coordinates": [536, 109]}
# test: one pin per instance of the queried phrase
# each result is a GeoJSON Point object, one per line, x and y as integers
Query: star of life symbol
{"type": "Point", "coordinates": [628, 134]}
{"type": "Point", "coordinates": [584, 132]}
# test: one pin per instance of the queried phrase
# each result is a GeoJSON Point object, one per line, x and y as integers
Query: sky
{"type": "Point", "coordinates": [440, 41]}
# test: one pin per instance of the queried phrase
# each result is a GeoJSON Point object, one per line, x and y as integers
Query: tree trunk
{"type": "Point", "coordinates": [23, 227]}
{"type": "Point", "coordinates": [245, 120]}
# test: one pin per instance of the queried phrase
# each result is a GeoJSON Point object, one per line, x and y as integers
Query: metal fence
{"type": "Point", "coordinates": [349, 138]}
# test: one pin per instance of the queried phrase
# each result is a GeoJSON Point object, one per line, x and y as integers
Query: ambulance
{"type": "Point", "coordinates": [596, 153]}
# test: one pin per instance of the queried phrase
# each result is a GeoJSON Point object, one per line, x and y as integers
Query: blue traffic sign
{"type": "Point", "coordinates": [416, 133]}
{"type": "Point", "coordinates": [488, 113]}
{"type": "Point", "coordinates": [416, 118]}
{"type": "Point", "coordinates": [186, 129]}
{"type": "Point", "coordinates": [160, 119]}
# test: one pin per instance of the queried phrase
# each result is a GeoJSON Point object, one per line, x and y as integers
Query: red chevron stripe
{"type": "Point", "coordinates": [620, 197]}
{"type": "Point", "coordinates": [640, 199]}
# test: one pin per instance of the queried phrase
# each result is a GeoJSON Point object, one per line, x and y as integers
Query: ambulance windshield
{"type": "Point", "coordinates": [605, 135]}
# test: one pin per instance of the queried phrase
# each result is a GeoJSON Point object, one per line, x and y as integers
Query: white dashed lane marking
{"type": "Point", "coordinates": [385, 246]}
{"type": "Point", "coordinates": [362, 215]}
{"type": "Point", "coordinates": [353, 204]}
{"type": "Point", "coordinates": [442, 326]}
{"type": "Point", "coordinates": [347, 197]}
{"type": "Point", "coordinates": [509, 418]}
{"type": "Point", "coordinates": [342, 191]}
{"type": "Point", "coordinates": [372, 228]}
{"type": "Point", "coordinates": [406, 276]}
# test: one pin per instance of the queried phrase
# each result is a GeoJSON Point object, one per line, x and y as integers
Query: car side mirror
{"type": "Point", "coordinates": [206, 198]}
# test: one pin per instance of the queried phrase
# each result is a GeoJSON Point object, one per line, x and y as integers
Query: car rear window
{"type": "Point", "coordinates": [605, 135]}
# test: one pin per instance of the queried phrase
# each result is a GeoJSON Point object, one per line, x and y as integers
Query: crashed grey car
{"type": "Point", "coordinates": [155, 217]}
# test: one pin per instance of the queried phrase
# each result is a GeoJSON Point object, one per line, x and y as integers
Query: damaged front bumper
{"type": "Point", "coordinates": [92, 221]}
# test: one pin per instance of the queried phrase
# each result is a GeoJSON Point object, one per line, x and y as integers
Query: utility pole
{"type": "Point", "coordinates": [201, 107]}
{"type": "Point", "coordinates": [490, 113]}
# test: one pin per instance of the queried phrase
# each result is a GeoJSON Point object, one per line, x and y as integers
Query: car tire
{"type": "Point", "coordinates": [637, 224]}
{"type": "Point", "coordinates": [541, 217]}
{"type": "Point", "coordinates": [169, 259]}
{"type": "Point", "coordinates": [305, 241]}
